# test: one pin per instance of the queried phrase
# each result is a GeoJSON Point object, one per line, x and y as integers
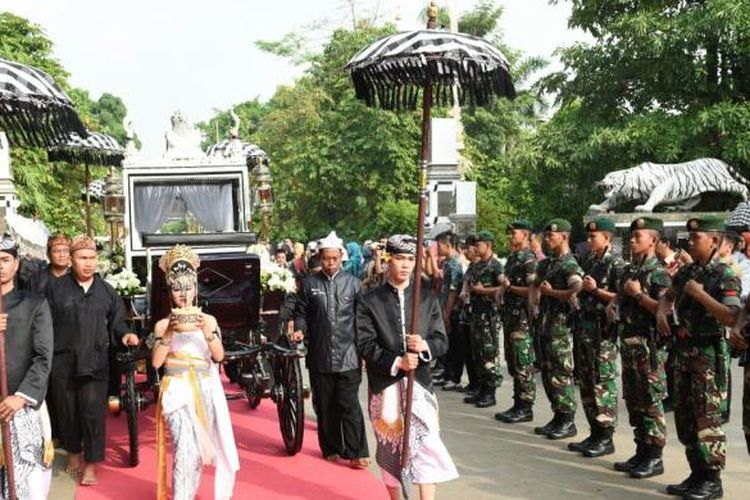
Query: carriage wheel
{"type": "Point", "coordinates": [131, 408]}
{"type": "Point", "coordinates": [253, 390]}
{"type": "Point", "coordinates": [290, 406]}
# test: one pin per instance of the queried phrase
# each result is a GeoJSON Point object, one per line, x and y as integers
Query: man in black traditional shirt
{"type": "Point", "coordinates": [88, 316]}
{"type": "Point", "coordinates": [28, 340]}
{"type": "Point", "coordinates": [58, 253]}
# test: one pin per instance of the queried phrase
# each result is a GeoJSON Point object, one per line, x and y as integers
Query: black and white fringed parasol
{"type": "Point", "coordinates": [228, 147]}
{"type": "Point", "coordinates": [34, 110]}
{"type": "Point", "coordinates": [96, 149]}
{"type": "Point", "coordinates": [392, 72]}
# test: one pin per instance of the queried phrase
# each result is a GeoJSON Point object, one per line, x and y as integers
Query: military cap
{"type": "Point", "coordinates": [601, 224]}
{"type": "Point", "coordinates": [707, 223]}
{"type": "Point", "coordinates": [651, 223]}
{"type": "Point", "coordinates": [521, 224]}
{"type": "Point", "coordinates": [486, 236]}
{"type": "Point", "coordinates": [558, 225]}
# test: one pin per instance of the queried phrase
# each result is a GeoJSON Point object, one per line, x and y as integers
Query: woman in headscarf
{"type": "Point", "coordinates": [353, 266]}
{"type": "Point", "coordinates": [191, 398]}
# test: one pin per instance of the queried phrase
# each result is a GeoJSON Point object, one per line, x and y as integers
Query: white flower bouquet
{"type": "Point", "coordinates": [125, 283]}
{"type": "Point", "coordinates": [274, 277]}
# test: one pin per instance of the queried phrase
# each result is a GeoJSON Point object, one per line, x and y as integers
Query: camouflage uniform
{"type": "Point", "coordinates": [485, 325]}
{"type": "Point", "coordinates": [519, 349]}
{"type": "Point", "coordinates": [596, 365]}
{"type": "Point", "coordinates": [701, 365]}
{"type": "Point", "coordinates": [643, 377]}
{"type": "Point", "coordinates": [556, 342]}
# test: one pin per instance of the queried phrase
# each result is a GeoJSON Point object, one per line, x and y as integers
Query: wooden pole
{"type": "Point", "coordinates": [5, 426]}
{"type": "Point", "coordinates": [88, 201]}
{"type": "Point", "coordinates": [416, 298]}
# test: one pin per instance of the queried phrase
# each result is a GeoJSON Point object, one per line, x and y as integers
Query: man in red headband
{"type": "Point", "coordinates": [88, 316]}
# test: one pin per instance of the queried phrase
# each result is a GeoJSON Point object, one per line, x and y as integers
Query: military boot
{"type": "Point", "coordinates": [544, 429]}
{"type": "Point", "coordinates": [501, 416]}
{"type": "Point", "coordinates": [579, 446]}
{"type": "Point", "coordinates": [632, 462]}
{"type": "Point", "coordinates": [602, 445]}
{"type": "Point", "coordinates": [652, 464]}
{"type": "Point", "coordinates": [680, 489]}
{"type": "Point", "coordinates": [565, 428]}
{"type": "Point", "coordinates": [486, 399]}
{"type": "Point", "coordinates": [473, 397]}
{"type": "Point", "coordinates": [522, 413]}
{"type": "Point", "coordinates": [708, 487]}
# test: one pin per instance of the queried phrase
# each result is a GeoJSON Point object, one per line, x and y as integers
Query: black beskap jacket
{"type": "Point", "coordinates": [325, 312]}
{"type": "Point", "coordinates": [379, 333]}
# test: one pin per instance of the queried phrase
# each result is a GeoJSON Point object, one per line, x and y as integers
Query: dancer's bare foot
{"type": "Point", "coordinates": [89, 475]}
{"type": "Point", "coordinates": [74, 464]}
{"type": "Point", "coordinates": [359, 463]}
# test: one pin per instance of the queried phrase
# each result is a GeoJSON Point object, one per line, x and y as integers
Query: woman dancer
{"type": "Point", "coordinates": [191, 400]}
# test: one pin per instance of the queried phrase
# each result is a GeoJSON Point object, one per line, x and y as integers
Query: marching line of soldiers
{"type": "Point", "coordinates": [570, 320]}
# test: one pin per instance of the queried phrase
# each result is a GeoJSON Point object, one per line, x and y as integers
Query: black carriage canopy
{"type": "Point", "coordinates": [391, 72]}
{"type": "Point", "coordinates": [34, 110]}
{"type": "Point", "coordinates": [95, 149]}
{"type": "Point", "coordinates": [226, 149]}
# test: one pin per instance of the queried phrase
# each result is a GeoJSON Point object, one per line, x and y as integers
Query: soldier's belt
{"type": "Point", "coordinates": [700, 340]}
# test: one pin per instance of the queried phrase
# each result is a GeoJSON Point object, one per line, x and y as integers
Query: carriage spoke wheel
{"type": "Point", "coordinates": [132, 408]}
{"type": "Point", "coordinates": [290, 405]}
{"type": "Point", "coordinates": [251, 385]}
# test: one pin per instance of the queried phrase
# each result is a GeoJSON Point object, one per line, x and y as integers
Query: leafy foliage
{"type": "Point", "coordinates": [49, 191]}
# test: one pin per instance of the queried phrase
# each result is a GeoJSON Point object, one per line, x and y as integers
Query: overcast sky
{"type": "Point", "coordinates": [199, 55]}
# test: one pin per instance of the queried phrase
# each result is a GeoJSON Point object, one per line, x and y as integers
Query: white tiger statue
{"type": "Point", "coordinates": [678, 184]}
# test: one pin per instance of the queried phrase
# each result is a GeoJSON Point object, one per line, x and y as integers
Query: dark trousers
{"type": "Point", "coordinates": [464, 333]}
{"type": "Point", "coordinates": [341, 426]}
{"type": "Point", "coordinates": [79, 407]}
{"type": "Point", "coordinates": [456, 357]}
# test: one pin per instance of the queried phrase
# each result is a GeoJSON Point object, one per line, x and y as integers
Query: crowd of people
{"type": "Point", "coordinates": [660, 327]}
{"type": "Point", "coordinates": [663, 325]}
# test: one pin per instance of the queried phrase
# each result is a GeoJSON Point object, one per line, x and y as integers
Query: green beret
{"type": "Point", "coordinates": [485, 236]}
{"type": "Point", "coordinates": [558, 225]}
{"type": "Point", "coordinates": [651, 223]}
{"type": "Point", "coordinates": [707, 223]}
{"type": "Point", "coordinates": [521, 224]}
{"type": "Point", "coordinates": [471, 239]}
{"type": "Point", "coordinates": [601, 224]}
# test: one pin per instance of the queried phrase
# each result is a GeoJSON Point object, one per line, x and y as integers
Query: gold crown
{"type": "Point", "coordinates": [176, 254]}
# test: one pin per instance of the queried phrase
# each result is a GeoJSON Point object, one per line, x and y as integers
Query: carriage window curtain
{"type": "Point", "coordinates": [211, 204]}
{"type": "Point", "coordinates": [153, 205]}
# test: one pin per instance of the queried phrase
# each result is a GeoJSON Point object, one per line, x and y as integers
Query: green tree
{"type": "Point", "coordinates": [661, 81]}
{"type": "Point", "coordinates": [50, 191]}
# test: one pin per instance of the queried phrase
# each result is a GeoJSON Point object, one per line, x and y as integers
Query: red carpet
{"type": "Point", "coordinates": [266, 471]}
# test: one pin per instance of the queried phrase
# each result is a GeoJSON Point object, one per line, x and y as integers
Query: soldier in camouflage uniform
{"type": "Point", "coordinates": [464, 317]}
{"type": "Point", "coordinates": [520, 273]}
{"type": "Point", "coordinates": [485, 321]}
{"type": "Point", "coordinates": [596, 362]}
{"type": "Point", "coordinates": [706, 296]}
{"type": "Point", "coordinates": [558, 287]}
{"type": "Point", "coordinates": [639, 288]}
{"type": "Point", "coordinates": [740, 341]}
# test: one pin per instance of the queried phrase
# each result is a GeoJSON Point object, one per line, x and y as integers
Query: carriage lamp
{"type": "Point", "coordinates": [113, 206]}
{"type": "Point", "coordinates": [263, 192]}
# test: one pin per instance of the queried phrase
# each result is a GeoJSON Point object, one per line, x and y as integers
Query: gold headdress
{"type": "Point", "coordinates": [179, 264]}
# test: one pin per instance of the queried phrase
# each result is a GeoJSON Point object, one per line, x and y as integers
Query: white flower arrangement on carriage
{"type": "Point", "coordinates": [125, 283]}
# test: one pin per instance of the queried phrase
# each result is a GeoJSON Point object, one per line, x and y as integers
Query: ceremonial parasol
{"type": "Point", "coordinates": [235, 147]}
{"type": "Point", "coordinates": [96, 148]}
{"type": "Point", "coordinates": [392, 72]}
{"type": "Point", "coordinates": [34, 110]}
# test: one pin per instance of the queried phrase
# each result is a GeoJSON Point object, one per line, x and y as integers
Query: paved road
{"type": "Point", "coordinates": [498, 460]}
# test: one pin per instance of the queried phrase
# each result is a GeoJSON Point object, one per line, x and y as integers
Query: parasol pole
{"type": "Point", "coordinates": [416, 298]}
{"type": "Point", "coordinates": [88, 201]}
{"type": "Point", "coordinates": [5, 426]}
